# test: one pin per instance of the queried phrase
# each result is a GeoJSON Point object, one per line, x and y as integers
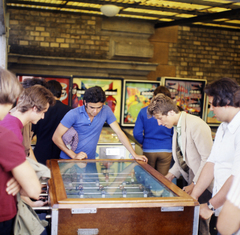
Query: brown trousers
{"type": "Point", "coordinates": [160, 161]}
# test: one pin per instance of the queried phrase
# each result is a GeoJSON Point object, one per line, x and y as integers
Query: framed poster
{"type": "Point", "coordinates": [136, 95]}
{"type": "Point", "coordinates": [188, 93]}
{"type": "Point", "coordinates": [112, 88]}
{"type": "Point", "coordinates": [65, 82]}
{"type": "Point", "coordinates": [210, 117]}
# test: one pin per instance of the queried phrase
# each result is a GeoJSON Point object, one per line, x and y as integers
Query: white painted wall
{"type": "Point", "coordinates": [3, 51]}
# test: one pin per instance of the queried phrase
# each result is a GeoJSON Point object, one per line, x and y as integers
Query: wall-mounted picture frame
{"type": "Point", "coordinates": [65, 82]}
{"type": "Point", "coordinates": [137, 94]}
{"type": "Point", "coordinates": [188, 93]}
{"type": "Point", "coordinates": [210, 117]}
{"type": "Point", "coordinates": [111, 86]}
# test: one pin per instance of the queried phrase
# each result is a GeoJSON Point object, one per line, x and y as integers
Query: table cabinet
{"type": "Point", "coordinates": [117, 197]}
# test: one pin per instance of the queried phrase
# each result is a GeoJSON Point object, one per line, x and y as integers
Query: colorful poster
{"type": "Point", "coordinates": [136, 95]}
{"type": "Point", "coordinates": [64, 82]}
{"type": "Point", "coordinates": [188, 94]}
{"type": "Point", "coordinates": [112, 88]}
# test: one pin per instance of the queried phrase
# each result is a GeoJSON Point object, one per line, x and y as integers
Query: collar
{"type": "Point", "coordinates": [234, 124]}
{"type": "Point", "coordinates": [82, 109]}
{"type": "Point", "coordinates": [179, 125]}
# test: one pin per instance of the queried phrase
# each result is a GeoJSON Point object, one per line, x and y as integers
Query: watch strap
{"type": "Point", "coordinates": [210, 206]}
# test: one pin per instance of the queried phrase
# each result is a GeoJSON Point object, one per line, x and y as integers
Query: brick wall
{"type": "Point", "coordinates": [190, 52]}
{"type": "Point", "coordinates": [206, 53]}
{"type": "Point", "coordinates": [56, 34]}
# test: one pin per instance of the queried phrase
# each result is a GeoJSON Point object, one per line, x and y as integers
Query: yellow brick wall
{"type": "Point", "coordinates": [180, 51]}
{"type": "Point", "coordinates": [56, 34]}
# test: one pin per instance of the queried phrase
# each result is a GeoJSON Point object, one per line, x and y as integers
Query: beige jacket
{"type": "Point", "coordinates": [196, 146]}
{"type": "Point", "coordinates": [27, 221]}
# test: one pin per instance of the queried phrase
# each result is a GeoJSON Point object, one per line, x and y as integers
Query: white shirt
{"type": "Point", "coordinates": [234, 194]}
{"type": "Point", "coordinates": [178, 129]}
{"type": "Point", "coordinates": [225, 153]}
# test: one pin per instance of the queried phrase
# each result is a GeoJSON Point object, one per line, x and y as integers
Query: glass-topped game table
{"type": "Point", "coordinates": [117, 197]}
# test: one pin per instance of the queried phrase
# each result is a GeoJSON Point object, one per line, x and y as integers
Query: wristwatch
{"type": "Point", "coordinates": [210, 206]}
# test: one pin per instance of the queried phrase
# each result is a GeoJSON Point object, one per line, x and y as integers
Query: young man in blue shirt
{"type": "Point", "coordinates": [88, 121]}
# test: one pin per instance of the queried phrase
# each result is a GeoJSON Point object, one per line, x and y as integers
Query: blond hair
{"type": "Point", "coordinates": [10, 87]}
{"type": "Point", "coordinates": [36, 96]}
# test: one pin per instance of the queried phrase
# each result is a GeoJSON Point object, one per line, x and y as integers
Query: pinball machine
{"type": "Point", "coordinates": [109, 146]}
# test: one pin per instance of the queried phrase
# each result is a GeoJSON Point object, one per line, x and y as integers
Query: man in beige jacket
{"type": "Point", "coordinates": [192, 143]}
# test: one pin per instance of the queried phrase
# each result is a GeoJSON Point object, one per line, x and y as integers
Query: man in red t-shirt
{"type": "Point", "coordinates": [13, 161]}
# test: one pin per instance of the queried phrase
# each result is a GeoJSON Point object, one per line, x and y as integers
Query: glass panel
{"type": "Point", "coordinates": [111, 179]}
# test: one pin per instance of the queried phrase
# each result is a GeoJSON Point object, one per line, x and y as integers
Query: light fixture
{"type": "Point", "coordinates": [109, 10]}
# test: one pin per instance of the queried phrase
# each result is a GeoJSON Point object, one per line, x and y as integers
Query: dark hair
{"type": "Point", "coordinates": [162, 89]}
{"type": "Point", "coordinates": [94, 95]}
{"type": "Point", "coordinates": [161, 104]}
{"type": "Point", "coordinates": [55, 87]}
{"type": "Point", "coordinates": [236, 98]}
{"type": "Point", "coordinates": [222, 91]}
{"type": "Point", "coordinates": [28, 82]}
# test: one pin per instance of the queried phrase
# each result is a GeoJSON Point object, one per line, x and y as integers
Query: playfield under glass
{"type": "Point", "coordinates": [110, 179]}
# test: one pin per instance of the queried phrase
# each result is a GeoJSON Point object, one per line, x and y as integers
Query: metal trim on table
{"type": "Point", "coordinates": [196, 220]}
{"type": "Point", "coordinates": [54, 229]}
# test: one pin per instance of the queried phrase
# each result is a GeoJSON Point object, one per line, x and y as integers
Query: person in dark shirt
{"type": "Point", "coordinates": [45, 148]}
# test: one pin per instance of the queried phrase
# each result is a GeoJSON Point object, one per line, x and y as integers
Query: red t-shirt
{"type": "Point", "coordinates": [11, 155]}
{"type": "Point", "coordinates": [13, 124]}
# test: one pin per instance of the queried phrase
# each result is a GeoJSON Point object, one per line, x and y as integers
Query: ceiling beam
{"type": "Point", "coordinates": [140, 4]}
{"type": "Point", "coordinates": [233, 12]}
{"type": "Point", "coordinates": [124, 6]}
{"type": "Point", "coordinates": [203, 18]}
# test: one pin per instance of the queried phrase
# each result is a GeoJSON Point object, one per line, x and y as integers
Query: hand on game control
{"type": "Point", "coordinates": [188, 189]}
{"type": "Point", "coordinates": [170, 176]}
{"type": "Point", "coordinates": [81, 156]}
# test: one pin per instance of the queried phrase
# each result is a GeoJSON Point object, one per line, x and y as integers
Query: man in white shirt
{"type": "Point", "coordinates": [229, 218]}
{"type": "Point", "coordinates": [224, 160]}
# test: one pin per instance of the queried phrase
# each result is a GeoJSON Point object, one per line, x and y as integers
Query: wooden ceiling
{"type": "Point", "coordinates": [223, 14]}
